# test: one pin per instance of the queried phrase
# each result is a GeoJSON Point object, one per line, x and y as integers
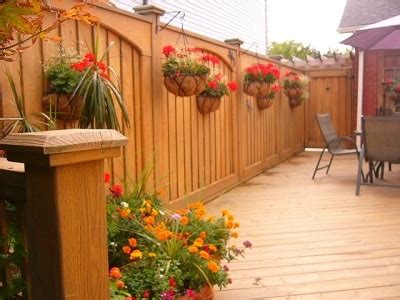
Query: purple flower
{"type": "Point", "coordinates": [247, 244]}
{"type": "Point", "coordinates": [176, 216]}
{"type": "Point", "coordinates": [168, 295]}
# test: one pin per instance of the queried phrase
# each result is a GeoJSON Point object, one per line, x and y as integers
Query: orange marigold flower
{"type": "Point", "coordinates": [204, 255]}
{"type": "Point", "coordinates": [193, 249]}
{"type": "Point", "coordinates": [198, 242]}
{"type": "Point", "coordinates": [115, 273]}
{"type": "Point", "coordinates": [236, 225]}
{"type": "Point", "coordinates": [202, 235]}
{"type": "Point", "coordinates": [136, 255]}
{"type": "Point", "coordinates": [225, 212]}
{"type": "Point", "coordinates": [184, 220]}
{"type": "Point", "coordinates": [229, 224]}
{"type": "Point", "coordinates": [150, 220]}
{"type": "Point", "coordinates": [124, 213]}
{"type": "Point", "coordinates": [132, 242]}
{"type": "Point", "coordinates": [212, 248]}
{"type": "Point", "coordinates": [213, 266]}
{"type": "Point", "coordinates": [126, 249]}
{"type": "Point", "coordinates": [120, 284]}
{"type": "Point", "coordinates": [235, 235]}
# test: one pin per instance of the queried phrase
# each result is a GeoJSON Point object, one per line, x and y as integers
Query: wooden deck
{"type": "Point", "coordinates": [314, 239]}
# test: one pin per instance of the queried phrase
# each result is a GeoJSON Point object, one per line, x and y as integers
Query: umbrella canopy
{"type": "Point", "coordinates": [383, 35]}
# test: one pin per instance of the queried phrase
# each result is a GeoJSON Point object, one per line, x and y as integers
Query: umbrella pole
{"type": "Point", "coordinates": [360, 94]}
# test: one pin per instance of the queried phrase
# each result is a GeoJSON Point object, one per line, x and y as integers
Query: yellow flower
{"type": "Point", "coordinates": [198, 242]}
{"type": "Point", "coordinates": [236, 225]}
{"type": "Point", "coordinates": [152, 254]}
{"type": "Point", "coordinates": [213, 266]}
{"type": "Point", "coordinates": [204, 255]}
{"type": "Point", "coordinates": [225, 212]}
{"type": "Point", "coordinates": [136, 255]}
{"type": "Point", "coordinates": [193, 249]}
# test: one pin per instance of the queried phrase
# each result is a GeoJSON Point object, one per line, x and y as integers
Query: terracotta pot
{"type": "Point", "coordinates": [264, 103]}
{"type": "Point", "coordinates": [206, 293]}
{"type": "Point", "coordinates": [67, 109]}
{"type": "Point", "coordinates": [208, 104]}
{"type": "Point", "coordinates": [257, 89]}
{"type": "Point", "coordinates": [185, 85]}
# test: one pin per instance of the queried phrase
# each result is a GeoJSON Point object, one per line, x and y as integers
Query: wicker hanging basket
{"type": "Point", "coordinates": [206, 293]}
{"type": "Point", "coordinates": [257, 89]}
{"type": "Point", "coordinates": [208, 104]}
{"type": "Point", "coordinates": [294, 95]}
{"type": "Point", "coordinates": [68, 109]}
{"type": "Point", "coordinates": [185, 85]}
{"type": "Point", "coordinates": [264, 103]}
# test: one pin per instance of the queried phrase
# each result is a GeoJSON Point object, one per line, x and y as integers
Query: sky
{"type": "Point", "coordinates": [312, 22]}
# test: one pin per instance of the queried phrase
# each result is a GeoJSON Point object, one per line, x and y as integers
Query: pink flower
{"type": "Point", "coordinates": [190, 293]}
{"type": "Point", "coordinates": [247, 244]}
{"type": "Point", "coordinates": [116, 190]}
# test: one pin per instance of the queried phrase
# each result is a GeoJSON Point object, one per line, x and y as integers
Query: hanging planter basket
{"type": "Point", "coordinates": [208, 104]}
{"type": "Point", "coordinates": [67, 109]}
{"type": "Point", "coordinates": [264, 103]}
{"type": "Point", "coordinates": [257, 89]}
{"type": "Point", "coordinates": [206, 293]}
{"type": "Point", "coordinates": [294, 95]}
{"type": "Point", "coordinates": [185, 85]}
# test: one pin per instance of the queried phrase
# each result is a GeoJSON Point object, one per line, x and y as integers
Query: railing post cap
{"type": "Point", "coordinates": [235, 41]}
{"type": "Point", "coordinates": [63, 141]}
{"type": "Point", "coordinates": [149, 9]}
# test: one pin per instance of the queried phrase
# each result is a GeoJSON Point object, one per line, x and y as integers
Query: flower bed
{"type": "Point", "coordinates": [155, 253]}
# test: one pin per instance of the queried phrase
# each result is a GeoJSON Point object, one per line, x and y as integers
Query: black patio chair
{"type": "Point", "coordinates": [333, 143]}
{"type": "Point", "coordinates": [381, 144]}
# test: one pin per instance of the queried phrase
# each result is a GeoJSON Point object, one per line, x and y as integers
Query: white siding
{"type": "Point", "coordinates": [218, 19]}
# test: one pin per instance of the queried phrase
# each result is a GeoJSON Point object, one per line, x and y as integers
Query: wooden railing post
{"type": "Point", "coordinates": [65, 210]}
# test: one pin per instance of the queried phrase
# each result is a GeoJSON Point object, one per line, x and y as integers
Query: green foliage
{"type": "Point", "coordinates": [184, 67]}
{"type": "Point", "coordinates": [291, 48]}
{"type": "Point", "coordinates": [30, 123]}
{"type": "Point", "coordinates": [63, 79]}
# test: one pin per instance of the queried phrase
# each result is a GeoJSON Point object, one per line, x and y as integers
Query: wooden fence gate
{"type": "Point", "coordinates": [330, 92]}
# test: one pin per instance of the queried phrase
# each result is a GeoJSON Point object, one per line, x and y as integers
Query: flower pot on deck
{"type": "Point", "coordinates": [206, 293]}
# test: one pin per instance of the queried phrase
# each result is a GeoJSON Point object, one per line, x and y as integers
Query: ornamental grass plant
{"type": "Point", "coordinates": [155, 253]}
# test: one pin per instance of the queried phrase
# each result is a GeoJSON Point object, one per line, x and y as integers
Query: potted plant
{"type": "Point", "coordinates": [63, 81]}
{"type": "Point", "coordinates": [295, 88]}
{"type": "Point", "coordinates": [155, 253]}
{"type": "Point", "coordinates": [259, 82]}
{"type": "Point", "coordinates": [98, 93]}
{"type": "Point", "coordinates": [185, 70]}
{"type": "Point", "coordinates": [209, 99]}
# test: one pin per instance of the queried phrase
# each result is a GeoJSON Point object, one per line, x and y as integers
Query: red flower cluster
{"type": "Point", "coordinates": [168, 50]}
{"type": "Point", "coordinates": [210, 58]}
{"type": "Point", "coordinates": [89, 61]}
{"type": "Point", "coordinates": [263, 69]}
{"type": "Point", "coordinates": [292, 76]}
{"type": "Point", "coordinates": [116, 190]}
{"type": "Point", "coordinates": [276, 88]}
{"type": "Point", "coordinates": [232, 86]}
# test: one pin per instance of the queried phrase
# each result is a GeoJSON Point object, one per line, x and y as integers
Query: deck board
{"type": "Point", "coordinates": [314, 239]}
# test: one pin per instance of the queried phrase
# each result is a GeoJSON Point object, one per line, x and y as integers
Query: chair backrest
{"type": "Point", "coordinates": [381, 138]}
{"type": "Point", "coordinates": [327, 130]}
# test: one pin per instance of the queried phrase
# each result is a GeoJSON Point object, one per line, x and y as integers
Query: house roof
{"type": "Point", "coordinates": [358, 13]}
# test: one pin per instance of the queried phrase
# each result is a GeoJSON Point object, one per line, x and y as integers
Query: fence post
{"type": "Point", "coordinates": [65, 210]}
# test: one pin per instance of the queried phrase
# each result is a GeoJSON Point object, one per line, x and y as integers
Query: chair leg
{"type": "Point", "coordinates": [382, 169]}
{"type": "Point", "coordinates": [360, 162]}
{"type": "Point", "coordinates": [330, 162]}
{"type": "Point", "coordinates": [371, 171]}
{"type": "Point", "coordinates": [390, 167]}
{"type": "Point", "coordinates": [319, 160]}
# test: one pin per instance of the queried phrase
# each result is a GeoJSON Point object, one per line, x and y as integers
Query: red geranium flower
{"type": "Point", "coordinates": [146, 294]}
{"type": "Point", "coordinates": [168, 50]}
{"type": "Point", "coordinates": [276, 88]}
{"type": "Point", "coordinates": [89, 57]}
{"type": "Point", "coordinates": [107, 177]}
{"type": "Point", "coordinates": [172, 282]}
{"type": "Point", "coordinates": [212, 84]}
{"type": "Point", "coordinates": [116, 190]}
{"type": "Point", "coordinates": [211, 58]}
{"type": "Point", "coordinates": [232, 86]}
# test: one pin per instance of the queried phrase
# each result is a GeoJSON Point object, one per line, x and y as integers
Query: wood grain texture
{"type": "Point", "coordinates": [314, 239]}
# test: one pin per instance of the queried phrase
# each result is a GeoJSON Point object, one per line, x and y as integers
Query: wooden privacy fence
{"type": "Point", "coordinates": [194, 155]}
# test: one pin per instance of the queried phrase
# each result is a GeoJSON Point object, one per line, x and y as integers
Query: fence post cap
{"type": "Point", "coordinates": [62, 141]}
{"type": "Point", "coordinates": [149, 9]}
{"type": "Point", "coordinates": [235, 41]}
